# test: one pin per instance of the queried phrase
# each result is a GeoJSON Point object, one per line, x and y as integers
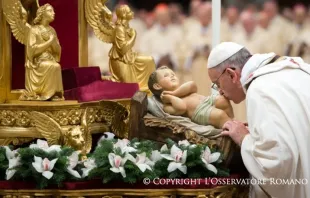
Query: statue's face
{"type": "Point", "coordinates": [130, 14]}
{"type": "Point", "coordinates": [49, 14]}
{"type": "Point", "coordinates": [75, 138]}
{"type": "Point", "coordinates": [166, 80]}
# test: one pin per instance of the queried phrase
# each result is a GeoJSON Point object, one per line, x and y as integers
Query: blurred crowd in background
{"type": "Point", "coordinates": [182, 39]}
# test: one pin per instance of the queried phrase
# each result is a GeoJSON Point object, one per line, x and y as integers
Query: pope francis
{"type": "Point", "coordinates": [275, 146]}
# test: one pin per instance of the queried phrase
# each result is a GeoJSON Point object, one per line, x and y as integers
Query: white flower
{"type": "Point", "coordinates": [73, 161]}
{"type": "Point", "coordinates": [156, 156]}
{"type": "Point", "coordinates": [42, 144]}
{"type": "Point", "coordinates": [44, 166]}
{"type": "Point", "coordinates": [14, 160]}
{"type": "Point", "coordinates": [117, 163]}
{"type": "Point", "coordinates": [123, 145]}
{"type": "Point", "coordinates": [143, 162]}
{"type": "Point", "coordinates": [89, 165]}
{"type": "Point", "coordinates": [184, 143]}
{"type": "Point", "coordinates": [208, 158]}
{"type": "Point", "coordinates": [178, 157]}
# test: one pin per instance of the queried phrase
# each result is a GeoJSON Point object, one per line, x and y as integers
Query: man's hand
{"type": "Point", "coordinates": [236, 130]}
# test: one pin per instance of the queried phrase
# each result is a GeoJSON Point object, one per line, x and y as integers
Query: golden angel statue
{"type": "Point", "coordinates": [43, 72]}
{"type": "Point", "coordinates": [125, 64]}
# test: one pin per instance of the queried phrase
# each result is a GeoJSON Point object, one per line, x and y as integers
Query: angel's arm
{"type": "Point", "coordinates": [56, 47]}
{"type": "Point", "coordinates": [122, 44]}
{"type": "Point", "coordinates": [34, 49]}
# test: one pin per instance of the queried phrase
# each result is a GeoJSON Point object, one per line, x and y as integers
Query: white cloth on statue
{"type": "Point", "coordinates": [278, 108]}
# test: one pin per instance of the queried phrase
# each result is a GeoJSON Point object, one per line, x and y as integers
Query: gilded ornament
{"type": "Point", "coordinates": [43, 51]}
{"type": "Point", "coordinates": [77, 137]}
{"type": "Point", "coordinates": [125, 65]}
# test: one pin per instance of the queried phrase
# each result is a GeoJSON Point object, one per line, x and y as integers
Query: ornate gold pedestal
{"type": "Point", "coordinates": [217, 192]}
{"type": "Point", "coordinates": [17, 124]}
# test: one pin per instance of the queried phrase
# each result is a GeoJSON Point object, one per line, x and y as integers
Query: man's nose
{"type": "Point", "coordinates": [221, 92]}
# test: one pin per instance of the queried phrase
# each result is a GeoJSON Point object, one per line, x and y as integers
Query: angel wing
{"type": "Point", "coordinates": [48, 127]}
{"type": "Point", "coordinates": [87, 134]}
{"type": "Point", "coordinates": [116, 115]}
{"type": "Point", "coordinates": [99, 17]}
{"type": "Point", "coordinates": [17, 17]}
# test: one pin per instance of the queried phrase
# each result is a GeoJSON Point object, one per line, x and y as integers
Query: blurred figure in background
{"type": "Point", "coordinates": [230, 24]}
{"type": "Point", "coordinates": [163, 38]}
{"type": "Point", "coordinates": [250, 33]}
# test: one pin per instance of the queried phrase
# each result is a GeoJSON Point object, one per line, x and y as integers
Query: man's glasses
{"type": "Point", "coordinates": [215, 85]}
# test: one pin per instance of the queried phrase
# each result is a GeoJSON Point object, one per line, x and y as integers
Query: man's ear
{"type": "Point", "coordinates": [157, 86]}
{"type": "Point", "coordinates": [233, 74]}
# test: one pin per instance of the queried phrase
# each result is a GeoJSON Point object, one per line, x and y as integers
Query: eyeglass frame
{"type": "Point", "coordinates": [214, 85]}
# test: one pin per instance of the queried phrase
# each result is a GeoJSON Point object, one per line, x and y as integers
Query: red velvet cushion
{"type": "Point", "coordinates": [80, 76]}
{"type": "Point", "coordinates": [102, 90]}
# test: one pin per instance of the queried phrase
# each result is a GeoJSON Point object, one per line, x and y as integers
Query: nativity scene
{"type": "Point", "coordinates": [67, 129]}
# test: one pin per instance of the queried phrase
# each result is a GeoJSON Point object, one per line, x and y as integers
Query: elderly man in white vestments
{"type": "Point", "coordinates": [275, 146]}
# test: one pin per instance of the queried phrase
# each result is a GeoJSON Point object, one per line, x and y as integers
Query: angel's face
{"type": "Point", "coordinates": [49, 14]}
{"type": "Point", "coordinates": [129, 14]}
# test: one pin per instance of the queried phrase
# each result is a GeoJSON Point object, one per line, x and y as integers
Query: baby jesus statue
{"type": "Point", "coordinates": [183, 100]}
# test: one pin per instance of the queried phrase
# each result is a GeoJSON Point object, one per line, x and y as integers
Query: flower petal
{"type": "Point", "coordinates": [184, 142]}
{"type": "Point", "coordinates": [109, 135]}
{"type": "Point", "coordinates": [184, 156]}
{"type": "Point", "coordinates": [122, 171]}
{"type": "Point", "coordinates": [141, 158]}
{"type": "Point", "coordinates": [9, 154]}
{"type": "Point", "coordinates": [111, 157]}
{"type": "Point", "coordinates": [168, 157]}
{"type": "Point", "coordinates": [207, 149]}
{"type": "Point", "coordinates": [174, 150]}
{"type": "Point", "coordinates": [214, 157]}
{"type": "Point", "coordinates": [86, 171]}
{"type": "Point", "coordinates": [52, 164]}
{"type": "Point", "coordinates": [156, 156]}
{"type": "Point", "coordinates": [212, 168]}
{"type": "Point", "coordinates": [128, 149]}
{"type": "Point", "coordinates": [143, 167]}
{"type": "Point", "coordinates": [56, 148]}
{"type": "Point", "coordinates": [38, 159]}
{"type": "Point", "coordinates": [164, 148]}
{"type": "Point", "coordinates": [115, 170]}
{"type": "Point", "coordinates": [9, 174]}
{"type": "Point", "coordinates": [183, 169]}
{"type": "Point", "coordinates": [173, 166]}
{"type": "Point", "coordinates": [42, 144]}
{"type": "Point", "coordinates": [128, 157]}
{"type": "Point", "coordinates": [37, 164]}
{"type": "Point", "coordinates": [48, 174]}
{"type": "Point", "coordinates": [204, 161]}
{"type": "Point", "coordinates": [74, 173]}
{"type": "Point", "coordinates": [73, 159]}
{"type": "Point", "coordinates": [14, 162]}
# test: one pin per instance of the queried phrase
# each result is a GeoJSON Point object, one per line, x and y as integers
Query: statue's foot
{"type": "Point", "coordinates": [57, 98]}
{"type": "Point", "coordinates": [106, 78]}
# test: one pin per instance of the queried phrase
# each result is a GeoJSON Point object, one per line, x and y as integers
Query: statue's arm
{"type": "Point", "coordinates": [174, 105]}
{"type": "Point", "coordinates": [122, 44]}
{"type": "Point", "coordinates": [35, 49]}
{"type": "Point", "coordinates": [185, 89]}
{"type": "Point", "coordinates": [56, 47]}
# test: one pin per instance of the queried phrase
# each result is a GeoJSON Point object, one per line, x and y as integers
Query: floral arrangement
{"type": "Point", "coordinates": [112, 160]}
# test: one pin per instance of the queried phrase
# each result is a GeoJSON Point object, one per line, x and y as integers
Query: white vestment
{"type": "Point", "coordinates": [278, 112]}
